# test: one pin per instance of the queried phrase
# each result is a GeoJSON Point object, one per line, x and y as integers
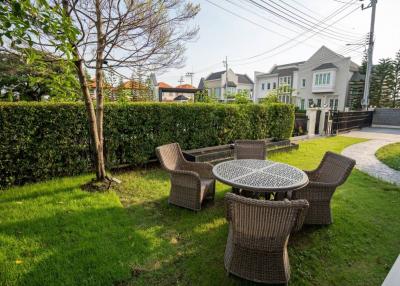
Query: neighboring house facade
{"type": "Point", "coordinates": [326, 79]}
{"type": "Point", "coordinates": [279, 76]}
{"type": "Point", "coordinates": [221, 84]}
{"type": "Point", "coordinates": [180, 93]}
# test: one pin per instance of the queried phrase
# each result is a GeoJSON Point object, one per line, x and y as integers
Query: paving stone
{"type": "Point", "coordinates": [364, 153]}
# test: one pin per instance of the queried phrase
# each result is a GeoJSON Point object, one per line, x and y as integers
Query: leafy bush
{"type": "Point", "coordinates": [44, 140]}
{"type": "Point", "coordinates": [242, 97]}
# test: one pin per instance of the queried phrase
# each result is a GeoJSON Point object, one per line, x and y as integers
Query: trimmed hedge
{"type": "Point", "coordinates": [43, 140]}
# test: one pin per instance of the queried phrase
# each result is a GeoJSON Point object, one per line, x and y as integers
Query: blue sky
{"type": "Point", "coordinates": [223, 34]}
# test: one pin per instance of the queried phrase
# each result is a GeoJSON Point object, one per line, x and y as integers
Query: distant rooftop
{"type": "Point", "coordinates": [325, 66]}
{"type": "Point", "coordinates": [242, 78]}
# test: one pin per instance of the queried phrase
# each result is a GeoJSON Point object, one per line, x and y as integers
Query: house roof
{"type": "Point", "coordinates": [186, 86]}
{"type": "Point", "coordinates": [284, 72]}
{"type": "Point", "coordinates": [92, 84]}
{"type": "Point", "coordinates": [215, 75]}
{"type": "Point", "coordinates": [181, 98]}
{"type": "Point", "coordinates": [132, 84]}
{"type": "Point", "coordinates": [164, 85]}
{"type": "Point", "coordinates": [325, 66]}
{"type": "Point", "coordinates": [201, 84]}
{"type": "Point", "coordinates": [242, 78]}
{"type": "Point", "coordinates": [357, 77]}
{"type": "Point", "coordinates": [231, 84]}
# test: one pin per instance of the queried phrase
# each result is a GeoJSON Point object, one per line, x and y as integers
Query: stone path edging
{"type": "Point", "coordinates": [364, 154]}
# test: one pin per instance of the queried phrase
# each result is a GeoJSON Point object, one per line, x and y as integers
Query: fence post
{"type": "Point", "coordinates": [312, 118]}
{"type": "Point", "coordinates": [322, 130]}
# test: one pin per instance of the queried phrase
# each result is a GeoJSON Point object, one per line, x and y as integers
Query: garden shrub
{"type": "Point", "coordinates": [44, 140]}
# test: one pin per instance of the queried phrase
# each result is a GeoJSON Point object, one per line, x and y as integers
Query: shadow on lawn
{"type": "Point", "coordinates": [92, 247]}
{"type": "Point", "coordinates": [146, 243]}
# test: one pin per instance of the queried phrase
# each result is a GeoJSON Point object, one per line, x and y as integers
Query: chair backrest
{"type": "Point", "coordinates": [250, 149]}
{"type": "Point", "coordinates": [170, 156]}
{"type": "Point", "coordinates": [335, 168]}
{"type": "Point", "coordinates": [262, 224]}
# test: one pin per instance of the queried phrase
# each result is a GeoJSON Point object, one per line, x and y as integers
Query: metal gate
{"type": "Point", "coordinates": [339, 121]}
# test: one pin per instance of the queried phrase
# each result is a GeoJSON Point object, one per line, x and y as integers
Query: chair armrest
{"type": "Point", "coordinates": [315, 191]}
{"type": "Point", "coordinates": [185, 178]}
{"type": "Point", "coordinates": [321, 185]}
{"type": "Point", "coordinates": [202, 168]}
{"type": "Point", "coordinates": [312, 174]}
{"type": "Point", "coordinates": [301, 215]}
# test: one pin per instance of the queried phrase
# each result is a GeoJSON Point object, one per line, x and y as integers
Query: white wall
{"type": "Point", "coordinates": [259, 80]}
{"type": "Point", "coordinates": [342, 77]}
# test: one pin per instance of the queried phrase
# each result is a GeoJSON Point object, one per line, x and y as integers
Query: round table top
{"type": "Point", "coordinates": [260, 175]}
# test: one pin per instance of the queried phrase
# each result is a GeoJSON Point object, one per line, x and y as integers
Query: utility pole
{"type": "Point", "coordinates": [225, 62]}
{"type": "Point", "coordinates": [181, 80]}
{"type": "Point", "coordinates": [365, 100]}
{"type": "Point", "coordinates": [190, 74]}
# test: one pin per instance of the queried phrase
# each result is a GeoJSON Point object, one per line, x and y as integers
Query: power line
{"type": "Point", "coordinates": [295, 20]}
{"type": "Point", "coordinates": [334, 29]}
{"type": "Point", "coordinates": [287, 42]}
{"type": "Point", "coordinates": [319, 14]}
{"type": "Point", "coordinates": [332, 15]}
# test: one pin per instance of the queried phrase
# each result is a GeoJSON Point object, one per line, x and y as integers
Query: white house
{"type": "Point", "coordinates": [325, 79]}
{"type": "Point", "coordinates": [215, 83]}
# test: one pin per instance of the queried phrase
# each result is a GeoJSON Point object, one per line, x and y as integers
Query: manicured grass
{"type": "Point", "coordinates": [390, 155]}
{"type": "Point", "coordinates": [55, 234]}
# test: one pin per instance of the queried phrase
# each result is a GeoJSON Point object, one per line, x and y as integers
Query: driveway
{"type": "Point", "coordinates": [364, 153]}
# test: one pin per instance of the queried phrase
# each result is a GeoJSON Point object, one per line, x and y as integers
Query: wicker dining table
{"type": "Point", "coordinates": [262, 176]}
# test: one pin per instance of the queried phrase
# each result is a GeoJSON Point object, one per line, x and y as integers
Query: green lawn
{"type": "Point", "coordinates": [390, 155]}
{"type": "Point", "coordinates": [53, 233]}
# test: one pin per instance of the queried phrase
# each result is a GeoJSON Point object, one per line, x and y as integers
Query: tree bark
{"type": "Point", "coordinates": [100, 89]}
{"type": "Point", "coordinates": [99, 162]}
{"type": "Point", "coordinates": [91, 114]}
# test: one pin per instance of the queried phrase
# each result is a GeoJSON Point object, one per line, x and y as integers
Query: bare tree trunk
{"type": "Point", "coordinates": [100, 89]}
{"type": "Point", "coordinates": [91, 114]}
{"type": "Point", "coordinates": [99, 164]}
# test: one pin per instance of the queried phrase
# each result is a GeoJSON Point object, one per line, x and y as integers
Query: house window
{"type": "Point", "coordinates": [268, 86]}
{"type": "Point", "coordinates": [321, 79]}
{"type": "Point", "coordinates": [286, 82]}
{"type": "Point", "coordinates": [302, 104]}
{"type": "Point", "coordinates": [333, 104]}
{"type": "Point", "coordinates": [303, 82]}
{"type": "Point", "coordinates": [217, 92]}
{"type": "Point", "coordinates": [231, 90]}
{"type": "Point", "coordinates": [274, 85]}
{"type": "Point", "coordinates": [262, 86]}
{"type": "Point", "coordinates": [318, 102]}
{"type": "Point", "coordinates": [310, 103]}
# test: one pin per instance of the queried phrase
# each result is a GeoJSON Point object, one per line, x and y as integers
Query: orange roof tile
{"type": "Point", "coordinates": [163, 84]}
{"type": "Point", "coordinates": [187, 86]}
{"type": "Point", "coordinates": [131, 84]}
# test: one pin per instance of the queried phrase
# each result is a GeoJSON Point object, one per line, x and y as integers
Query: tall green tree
{"type": "Point", "coordinates": [394, 80]}
{"type": "Point", "coordinates": [380, 83]}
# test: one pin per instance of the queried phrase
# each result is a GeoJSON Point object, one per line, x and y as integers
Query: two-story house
{"type": "Point", "coordinates": [279, 76]}
{"type": "Point", "coordinates": [221, 84]}
{"type": "Point", "coordinates": [326, 79]}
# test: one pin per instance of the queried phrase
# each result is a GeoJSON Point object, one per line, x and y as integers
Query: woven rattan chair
{"type": "Point", "coordinates": [333, 171]}
{"type": "Point", "coordinates": [191, 182]}
{"type": "Point", "coordinates": [259, 231]}
{"type": "Point", "coordinates": [250, 149]}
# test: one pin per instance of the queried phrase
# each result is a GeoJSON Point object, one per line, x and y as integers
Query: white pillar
{"type": "Point", "coordinates": [324, 111]}
{"type": "Point", "coordinates": [312, 118]}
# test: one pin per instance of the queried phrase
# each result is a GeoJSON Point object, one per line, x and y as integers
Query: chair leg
{"type": "Point", "coordinates": [236, 191]}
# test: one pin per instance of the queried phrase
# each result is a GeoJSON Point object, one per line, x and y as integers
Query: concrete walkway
{"type": "Point", "coordinates": [364, 153]}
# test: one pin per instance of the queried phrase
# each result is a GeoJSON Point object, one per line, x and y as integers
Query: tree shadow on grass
{"type": "Point", "coordinates": [91, 247]}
